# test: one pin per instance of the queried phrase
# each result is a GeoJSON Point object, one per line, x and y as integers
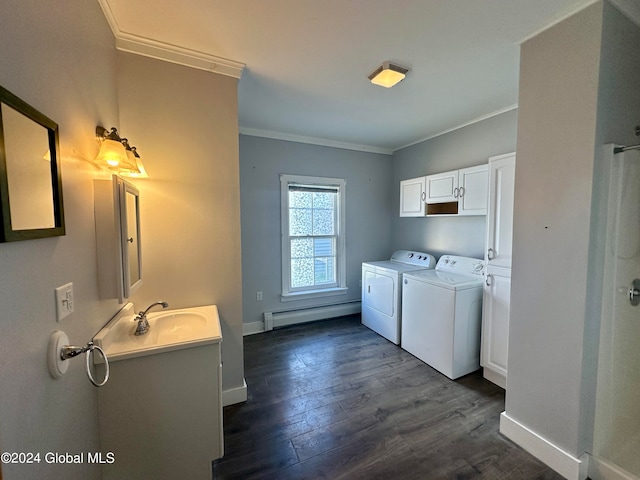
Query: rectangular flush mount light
{"type": "Point", "coordinates": [388, 74]}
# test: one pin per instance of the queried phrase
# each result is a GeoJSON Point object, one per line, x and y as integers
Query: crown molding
{"type": "Point", "coordinates": [458, 127]}
{"type": "Point", "coordinates": [323, 142]}
{"type": "Point", "coordinates": [167, 52]}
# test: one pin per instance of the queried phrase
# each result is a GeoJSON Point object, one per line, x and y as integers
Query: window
{"type": "Point", "coordinates": [313, 258]}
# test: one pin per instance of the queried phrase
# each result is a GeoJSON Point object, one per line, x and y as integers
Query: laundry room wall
{"type": "Point", "coordinates": [464, 147]}
{"type": "Point", "coordinates": [368, 215]}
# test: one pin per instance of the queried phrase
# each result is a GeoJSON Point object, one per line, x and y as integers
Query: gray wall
{"type": "Point", "coordinates": [572, 100]}
{"type": "Point", "coordinates": [62, 61]}
{"type": "Point", "coordinates": [465, 147]}
{"type": "Point", "coordinates": [368, 216]}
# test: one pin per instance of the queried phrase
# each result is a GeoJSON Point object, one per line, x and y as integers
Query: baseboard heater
{"type": "Point", "coordinates": [293, 317]}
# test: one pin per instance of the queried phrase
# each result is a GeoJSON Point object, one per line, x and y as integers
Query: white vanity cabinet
{"type": "Point", "coordinates": [160, 413]}
{"type": "Point", "coordinates": [497, 290]}
{"type": "Point", "coordinates": [117, 217]}
{"type": "Point", "coordinates": [458, 192]}
{"type": "Point", "coordinates": [412, 197]}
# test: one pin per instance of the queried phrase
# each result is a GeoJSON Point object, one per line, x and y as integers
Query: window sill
{"type": "Point", "coordinates": [325, 292]}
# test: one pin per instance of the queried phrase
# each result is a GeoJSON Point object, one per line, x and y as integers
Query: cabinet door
{"type": "Point", "coordinates": [442, 187]}
{"type": "Point", "coordinates": [495, 325]}
{"type": "Point", "coordinates": [500, 210]}
{"type": "Point", "coordinates": [412, 197]}
{"type": "Point", "coordinates": [472, 192]}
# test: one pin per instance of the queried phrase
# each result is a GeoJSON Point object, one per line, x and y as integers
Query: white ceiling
{"type": "Point", "coordinates": [307, 61]}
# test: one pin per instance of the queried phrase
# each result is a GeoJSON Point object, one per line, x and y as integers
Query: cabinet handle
{"type": "Point", "coordinates": [461, 192]}
{"type": "Point", "coordinates": [488, 281]}
{"type": "Point", "coordinates": [130, 240]}
{"type": "Point", "coordinates": [455, 192]}
{"type": "Point", "coordinates": [424, 196]}
{"type": "Point", "coordinates": [491, 254]}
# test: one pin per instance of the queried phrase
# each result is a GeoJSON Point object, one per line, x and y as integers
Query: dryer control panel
{"type": "Point", "coordinates": [421, 259]}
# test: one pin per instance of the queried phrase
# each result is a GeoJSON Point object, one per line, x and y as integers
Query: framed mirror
{"type": "Point", "coordinates": [30, 180]}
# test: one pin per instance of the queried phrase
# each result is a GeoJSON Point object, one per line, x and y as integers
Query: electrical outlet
{"type": "Point", "coordinates": [259, 296]}
{"type": "Point", "coordinates": [64, 301]}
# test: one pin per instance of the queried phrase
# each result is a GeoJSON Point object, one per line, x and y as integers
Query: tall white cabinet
{"type": "Point", "coordinates": [497, 289]}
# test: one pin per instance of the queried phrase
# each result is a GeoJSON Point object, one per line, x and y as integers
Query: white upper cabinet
{"type": "Point", "coordinates": [458, 192]}
{"type": "Point", "coordinates": [472, 190]}
{"type": "Point", "coordinates": [442, 187]}
{"type": "Point", "coordinates": [500, 215]}
{"type": "Point", "coordinates": [412, 197]}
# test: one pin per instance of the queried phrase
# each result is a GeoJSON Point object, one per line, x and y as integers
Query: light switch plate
{"type": "Point", "coordinates": [64, 301]}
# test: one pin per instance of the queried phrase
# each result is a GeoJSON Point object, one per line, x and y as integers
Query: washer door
{"type": "Point", "coordinates": [379, 292]}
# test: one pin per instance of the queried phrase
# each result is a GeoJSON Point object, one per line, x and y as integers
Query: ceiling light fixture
{"type": "Point", "coordinates": [388, 74]}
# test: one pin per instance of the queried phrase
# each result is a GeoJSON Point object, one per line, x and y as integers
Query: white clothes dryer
{"type": "Point", "coordinates": [442, 315]}
{"type": "Point", "coordinates": [382, 290]}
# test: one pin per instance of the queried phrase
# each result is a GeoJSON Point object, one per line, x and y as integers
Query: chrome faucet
{"type": "Point", "coordinates": [141, 318]}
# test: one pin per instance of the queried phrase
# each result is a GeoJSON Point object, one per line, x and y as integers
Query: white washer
{"type": "Point", "coordinates": [382, 287]}
{"type": "Point", "coordinates": [442, 315]}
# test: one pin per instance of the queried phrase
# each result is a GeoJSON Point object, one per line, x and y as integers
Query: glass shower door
{"type": "Point", "coordinates": [617, 422]}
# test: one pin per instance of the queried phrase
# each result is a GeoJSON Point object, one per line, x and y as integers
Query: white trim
{"type": "Point", "coordinates": [167, 52]}
{"type": "Point", "coordinates": [340, 236]}
{"type": "Point", "coordinates": [252, 328]}
{"type": "Point", "coordinates": [562, 462]}
{"type": "Point", "coordinates": [458, 127]}
{"type": "Point", "coordinates": [561, 17]}
{"type": "Point", "coordinates": [323, 142]}
{"type": "Point", "coordinates": [327, 292]}
{"type": "Point", "coordinates": [232, 396]}
{"type": "Point", "coordinates": [601, 469]}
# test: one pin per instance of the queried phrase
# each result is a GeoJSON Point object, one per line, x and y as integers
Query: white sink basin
{"type": "Point", "coordinates": [169, 330]}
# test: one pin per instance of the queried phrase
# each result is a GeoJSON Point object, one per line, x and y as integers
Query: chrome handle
{"type": "Point", "coordinates": [488, 281]}
{"type": "Point", "coordinates": [424, 196]}
{"type": "Point", "coordinates": [634, 292]}
{"type": "Point", "coordinates": [461, 192]}
{"type": "Point", "coordinates": [368, 288]}
{"type": "Point", "coordinates": [70, 351]}
{"type": "Point", "coordinates": [455, 192]}
{"type": "Point", "coordinates": [491, 254]}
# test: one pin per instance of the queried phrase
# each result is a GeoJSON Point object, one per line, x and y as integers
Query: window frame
{"type": "Point", "coordinates": [340, 287]}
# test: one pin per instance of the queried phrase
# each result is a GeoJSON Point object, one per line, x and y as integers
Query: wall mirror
{"type": "Point", "coordinates": [30, 180]}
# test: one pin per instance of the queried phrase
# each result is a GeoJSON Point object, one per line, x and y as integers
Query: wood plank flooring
{"type": "Point", "coordinates": [334, 400]}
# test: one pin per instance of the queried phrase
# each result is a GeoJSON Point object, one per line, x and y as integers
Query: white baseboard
{"type": "Point", "coordinates": [600, 469]}
{"type": "Point", "coordinates": [252, 328]}
{"type": "Point", "coordinates": [235, 395]}
{"type": "Point", "coordinates": [562, 462]}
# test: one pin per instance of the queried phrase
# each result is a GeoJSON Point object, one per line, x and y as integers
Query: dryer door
{"type": "Point", "coordinates": [379, 292]}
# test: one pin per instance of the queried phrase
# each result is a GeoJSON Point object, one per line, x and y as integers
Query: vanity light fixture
{"type": "Point", "coordinates": [388, 74]}
{"type": "Point", "coordinates": [116, 154]}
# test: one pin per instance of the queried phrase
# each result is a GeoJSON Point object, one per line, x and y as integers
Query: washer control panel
{"type": "Point", "coordinates": [461, 265]}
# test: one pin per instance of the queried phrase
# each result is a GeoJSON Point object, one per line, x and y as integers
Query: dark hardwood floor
{"type": "Point", "coordinates": [333, 400]}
